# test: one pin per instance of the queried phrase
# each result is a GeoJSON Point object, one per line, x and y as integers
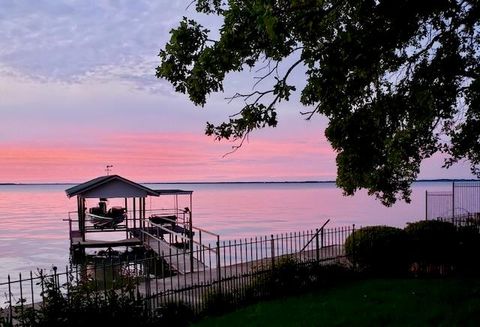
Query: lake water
{"type": "Point", "coordinates": [32, 233]}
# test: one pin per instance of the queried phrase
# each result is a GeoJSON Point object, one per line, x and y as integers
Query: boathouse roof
{"type": "Point", "coordinates": [110, 186]}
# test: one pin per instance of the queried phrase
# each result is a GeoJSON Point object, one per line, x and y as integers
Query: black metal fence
{"type": "Point", "coordinates": [227, 266]}
{"type": "Point", "coordinates": [465, 220]}
{"type": "Point", "coordinates": [463, 199]}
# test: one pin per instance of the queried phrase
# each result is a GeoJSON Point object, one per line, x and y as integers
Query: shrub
{"type": "Point", "coordinates": [220, 303]}
{"type": "Point", "coordinates": [287, 277]}
{"type": "Point", "coordinates": [174, 314]}
{"type": "Point", "coordinates": [432, 241]}
{"type": "Point", "coordinates": [85, 306]}
{"type": "Point", "coordinates": [468, 245]}
{"type": "Point", "coordinates": [381, 249]}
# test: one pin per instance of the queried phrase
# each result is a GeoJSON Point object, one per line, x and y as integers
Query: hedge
{"type": "Point", "coordinates": [432, 241]}
{"type": "Point", "coordinates": [378, 249]}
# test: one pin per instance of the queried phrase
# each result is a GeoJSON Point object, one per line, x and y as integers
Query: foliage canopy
{"type": "Point", "coordinates": [397, 79]}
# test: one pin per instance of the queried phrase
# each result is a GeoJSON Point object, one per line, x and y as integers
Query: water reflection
{"type": "Point", "coordinates": [32, 233]}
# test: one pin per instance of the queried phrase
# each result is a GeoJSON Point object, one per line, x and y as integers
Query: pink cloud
{"type": "Point", "coordinates": [166, 157]}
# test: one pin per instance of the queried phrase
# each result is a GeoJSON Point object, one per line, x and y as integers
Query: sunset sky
{"type": "Point", "coordinates": [78, 91]}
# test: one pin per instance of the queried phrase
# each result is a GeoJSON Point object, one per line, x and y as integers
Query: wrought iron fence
{"type": "Point", "coordinates": [465, 220]}
{"type": "Point", "coordinates": [463, 199]}
{"type": "Point", "coordinates": [223, 266]}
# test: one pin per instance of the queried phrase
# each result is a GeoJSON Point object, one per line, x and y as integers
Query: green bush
{"type": "Point", "coordinates": [380, 249]}
{"type": "Point", "coordinates": [432, 241]}
{"type": "Point", "coordinates": [287, 277]}
{"type": "Point", "coordinates": [85, 306]}
{"type": "Point", "coordinates": [468, 245]}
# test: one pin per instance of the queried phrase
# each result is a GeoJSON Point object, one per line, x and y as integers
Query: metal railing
{"type": "Point", "coordinates": [226, 265]}
{"type": "Point", "coordinates": [462, 199]}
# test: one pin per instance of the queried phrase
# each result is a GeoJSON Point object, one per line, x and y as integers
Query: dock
{"type": "Point", "coordinates": [167, 231]}
{"type": "Point", "coordinates": [78, 242]}
{"type": "Point", "coordinates": [178, 259]}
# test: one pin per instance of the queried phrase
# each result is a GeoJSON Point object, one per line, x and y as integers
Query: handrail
{"type": "Point", "coordinates": [174, 234]}
{"type": "Point", "coordinates": [170, 231]}
{"type": "Point", "coordinates": [315, 235]}
{"type": "Point", "coordinates": [91, 215]}
{"type": "Point", "coordinates": [205, 231]}
{"type": "Point", "coordinates": [179, 222]}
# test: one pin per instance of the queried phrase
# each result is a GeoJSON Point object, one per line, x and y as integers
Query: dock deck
{"type": "Point", "coordinates": [152, 238]}
{"type": "Point", "coordinates": [78, 242]}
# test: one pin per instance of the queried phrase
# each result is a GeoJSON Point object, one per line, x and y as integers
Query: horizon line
{"type": "Point", "coordinates": [245, 182]}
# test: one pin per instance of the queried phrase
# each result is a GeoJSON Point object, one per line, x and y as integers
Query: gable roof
{"type": "Point", "coordinates": [102, 180]}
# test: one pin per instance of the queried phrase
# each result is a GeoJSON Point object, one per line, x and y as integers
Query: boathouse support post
{"type": "Point", "coordinates": [81, 216]}
{"type": "Point", "coordinates": [79, 222]}
{"type": "Point", "coordinates": [139, 215]}
{"type": "Point", "coordinates": [126, 220]}
{"type": "Point", "coordinates": [143, 209]}
{"type": "Point", "coordinates": [139, 211]}
{"type": "Point", "coordinates": [134, 214]}
{"type": "Point", "coordinates": [78, 216]}
{"type": "Point", "coordinates": [70, 230]}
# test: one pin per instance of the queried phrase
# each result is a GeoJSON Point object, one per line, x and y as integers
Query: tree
{"type": "Point", "coordinates": [397, 79]}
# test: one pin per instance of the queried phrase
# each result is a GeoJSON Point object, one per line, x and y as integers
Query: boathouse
{"type": "Point", "coordinates": [131, 217]}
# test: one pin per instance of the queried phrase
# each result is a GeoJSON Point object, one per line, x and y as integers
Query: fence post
{"type": "Point", "coordinates": [148, 287]}
{"type": "Point", "coordinates": [10, 308]}
{"type": "Point", "coordinates": [353, 239]}
{"type": "Point", "coordinates": [322, 238]}
{"type": "Point", "coordinates": [42, 283]}
{"type": "Point", "coordinates": [200, 241]}
{"type": "Point", "coordinates": [55, 280]}
{"type": "Point", "coordinates": [316, 241]}
{"type": "Point", "coordinates": [453, 201]}
{"type": "Point", "coordinates": [272, 245]}
{"type": "Point", "coordinates": [219, 272]}
{"type": "Point", "coordinates": [104, 278]}
{"type": "Point", "coordinates": [426, 204]}
{"type": "Point", "coordinates": [31, 289]}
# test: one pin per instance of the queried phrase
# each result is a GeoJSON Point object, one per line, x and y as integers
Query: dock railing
{"type": "Point", "coordinates": [232, 265]}
{"type": "Point", "coordinates": [181, 239]}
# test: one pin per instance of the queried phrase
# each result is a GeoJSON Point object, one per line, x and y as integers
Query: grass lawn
{"type": "Point", "coordinates": [377, 302]}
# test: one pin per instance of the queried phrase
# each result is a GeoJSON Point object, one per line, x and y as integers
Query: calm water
{"type": "Point", "coordinates": [32, 233]}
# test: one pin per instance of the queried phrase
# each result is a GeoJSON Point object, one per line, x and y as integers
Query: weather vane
{"type": "Point", "coordinates": [108, 169]}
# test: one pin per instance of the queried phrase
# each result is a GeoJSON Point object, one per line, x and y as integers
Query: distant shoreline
{"type": "Point", "coordinates": [247, 182]}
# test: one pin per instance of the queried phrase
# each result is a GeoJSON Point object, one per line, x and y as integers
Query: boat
{"type": "Point", "coordinates": [101, 217]}
{"type": "Point", "coordinates": [162, 219]}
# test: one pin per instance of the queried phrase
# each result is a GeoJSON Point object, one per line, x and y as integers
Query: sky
{"type": "Point", "coordinates": [78, 92]}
